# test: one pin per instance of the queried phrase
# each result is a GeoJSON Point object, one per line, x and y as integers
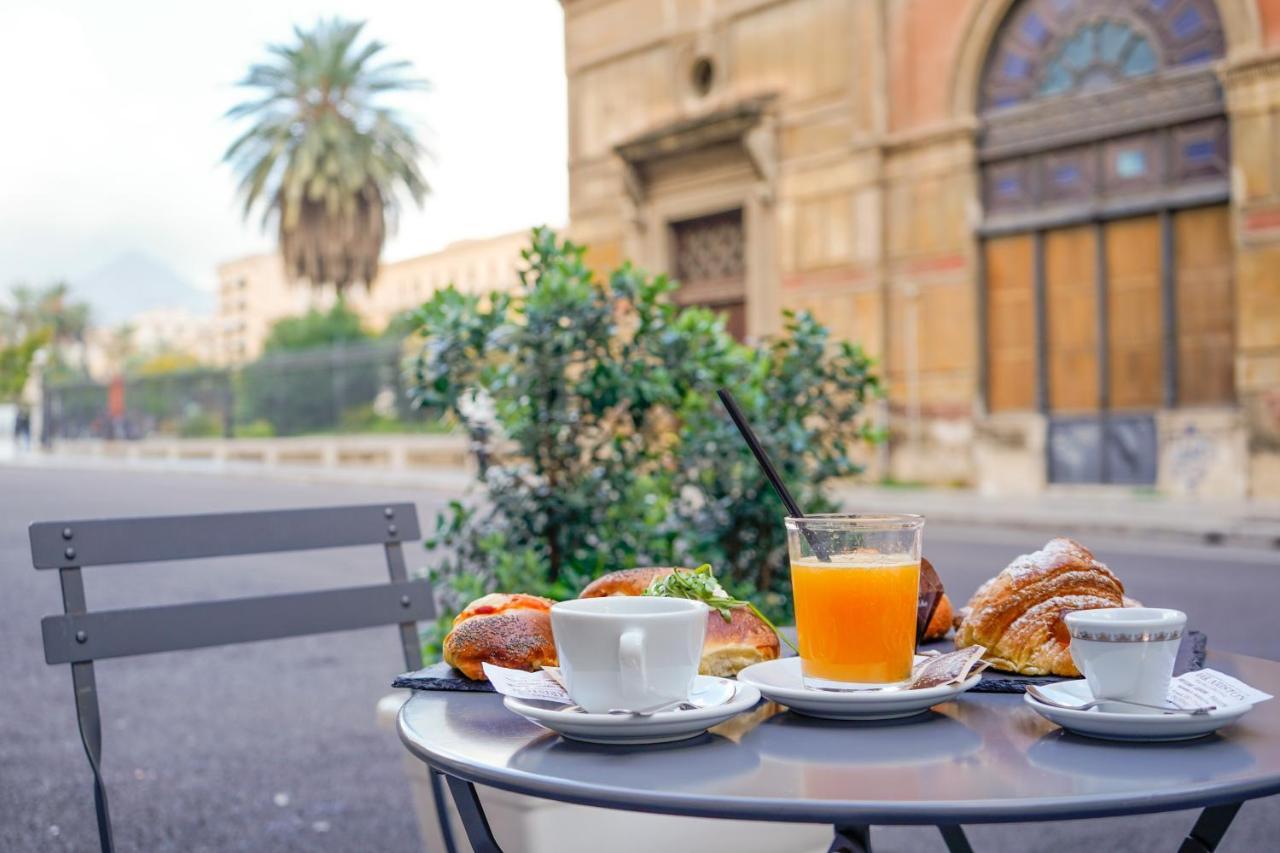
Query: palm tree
{"type": "Point", "coordinates": [322, 157]}
{"type": "Point", "coordinates": [50, 308]}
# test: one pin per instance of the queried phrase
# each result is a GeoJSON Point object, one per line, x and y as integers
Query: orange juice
{"type": "Point", "coordinates": [856, 616]}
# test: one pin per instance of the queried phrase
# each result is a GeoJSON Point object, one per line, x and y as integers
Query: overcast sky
{"type": "Point", "coordinates": [114, 132]}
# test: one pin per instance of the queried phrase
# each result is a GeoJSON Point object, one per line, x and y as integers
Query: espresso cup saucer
{"type": "Point", "coordinates": [723, 700]}
{"type": "Point", "coordinates": [1141, 726]}
{"type": "Point", "coordinates": [781, 681]}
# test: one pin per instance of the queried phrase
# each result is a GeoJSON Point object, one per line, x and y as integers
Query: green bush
{"type": "Point", "coordinates": [366, 420]}
{"type": "Point", "coordinates": [201, 424]}
{"type": "Point", "coordinates": [15, 363]}
{"type": "Point", "coordinates": [338, 325]}
{"type": "Point", "coordinates": [255, 429]}
{"type": "Point", "coordinates": [605, 446]}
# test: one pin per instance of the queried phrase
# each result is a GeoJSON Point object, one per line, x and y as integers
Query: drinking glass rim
{"type": "Point", "coordinates": [832, 521]}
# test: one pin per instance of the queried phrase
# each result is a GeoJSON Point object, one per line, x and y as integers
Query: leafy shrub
{"type": "Point", "coordinates": [338, 325]}
{"type": "Point", "coordinates": [255, 429]}
{"type": "Point", "coordinates": [600, 442]}
{"type": "Point", "coordinates": [201, 424]}
{"type": "Point", "coordinates": [15, 362]}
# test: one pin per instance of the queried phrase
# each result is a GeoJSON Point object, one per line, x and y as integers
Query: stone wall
{"type": "Point", "coordinates": [1253, 97]}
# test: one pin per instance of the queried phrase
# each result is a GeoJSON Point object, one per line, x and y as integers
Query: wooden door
{"type": "Point", "coordinates": [710, 264]}
{"type": "Point", "coordinates": [1011, 323]}
{"type": "Point", "coordinates": [1071, 313]}
{"type": "Point", "coordinates": [1206, 306]}
{"type": "Point", "coordinates": [1134, 313]}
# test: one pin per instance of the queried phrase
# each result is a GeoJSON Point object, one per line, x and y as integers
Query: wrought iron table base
{"type": "Point", "coordinates": [1205, 836]}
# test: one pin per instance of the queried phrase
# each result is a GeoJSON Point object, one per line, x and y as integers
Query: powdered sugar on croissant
{"type": "Point", "coordinates": [1018, 614]}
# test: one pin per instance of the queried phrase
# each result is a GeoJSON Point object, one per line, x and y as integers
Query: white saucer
{"type": "Point", "coordinates": [1109, 725]}
{"type": "Point", "coordinates": [780, 681]}
{"type": "Point", "coordinates": [724, 700]}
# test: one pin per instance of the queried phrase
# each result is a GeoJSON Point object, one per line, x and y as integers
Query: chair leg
{"type": "Point", "coordinates": [472, 813]}
{"type": "Point", "coordinates": [1207, 834]}
{"type": "Point", "coordinates": [90, 725]}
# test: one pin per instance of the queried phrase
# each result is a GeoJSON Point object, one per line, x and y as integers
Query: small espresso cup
{"type": "Point", "coordinates": [1126, 653]}
{"type": "Point", "coordinates": [631, 652]}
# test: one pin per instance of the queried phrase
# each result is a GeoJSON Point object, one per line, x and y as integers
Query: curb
{"type": "Point", "coordinates": [1240, 524]}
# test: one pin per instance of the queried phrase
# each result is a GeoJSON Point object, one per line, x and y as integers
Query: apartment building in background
{"type": "Point", "coordinates": [254, 292]}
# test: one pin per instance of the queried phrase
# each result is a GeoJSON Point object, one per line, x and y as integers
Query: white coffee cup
{"type": "Point", "coordinates": [1126, 653]}
{"type": "Point", "coordinates": [632, 652]}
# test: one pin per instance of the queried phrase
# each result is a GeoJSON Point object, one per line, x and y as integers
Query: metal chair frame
{"type": "Point", "coordinates": [79, 637]}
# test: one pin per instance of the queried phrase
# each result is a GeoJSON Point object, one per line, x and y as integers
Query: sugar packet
{"type": "Point", "coordinates": [950, 668]}
{"type": "Point", "coordinates": [538, 685]}
{"type": "Point", "coordinates": [1204, 687]}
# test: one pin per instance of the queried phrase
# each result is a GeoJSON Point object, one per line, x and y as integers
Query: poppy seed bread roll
{"type": "Point", "coordinates": [940, 624]}
{"type": "Point", "coordinates": [509, 630]}
{"type": "Point", "coordinates": [730, 646]}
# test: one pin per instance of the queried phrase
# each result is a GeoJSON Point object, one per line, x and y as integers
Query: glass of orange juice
{"type": "Point", "coordinates": [855, 580]}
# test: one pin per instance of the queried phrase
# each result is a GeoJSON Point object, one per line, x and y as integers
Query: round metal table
{"type": "Point", "coordinates": [985, 758]}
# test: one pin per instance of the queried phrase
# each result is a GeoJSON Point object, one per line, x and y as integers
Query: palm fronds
{"type": "Point", "coordinates": [322, 158]}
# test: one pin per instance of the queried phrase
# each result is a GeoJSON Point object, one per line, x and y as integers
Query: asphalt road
{"type": "Point", "coordinates": [272, 746]}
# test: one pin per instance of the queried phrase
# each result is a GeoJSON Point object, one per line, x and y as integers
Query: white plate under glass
{"type": "Point", "coordinates": [780, 680]}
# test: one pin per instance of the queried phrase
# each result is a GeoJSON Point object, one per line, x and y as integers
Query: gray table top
{"type": "Point", "coordinates": [983, 758]}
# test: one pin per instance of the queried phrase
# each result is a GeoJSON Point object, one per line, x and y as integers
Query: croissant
{"type": "Point", "coordinates": [1018, 614]}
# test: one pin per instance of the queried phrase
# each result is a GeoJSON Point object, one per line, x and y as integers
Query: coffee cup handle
{"type": "Point", "coordinates": [631, 658]}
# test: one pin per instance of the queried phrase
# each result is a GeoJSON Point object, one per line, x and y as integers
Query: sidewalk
{"type": "Point", "coordinates": [1078, 511]}
{"type": "Point", "coordinates": [1067, 511]}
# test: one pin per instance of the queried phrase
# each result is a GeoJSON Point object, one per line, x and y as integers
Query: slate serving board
{"type": "Point", "coordinates": [441, 676]}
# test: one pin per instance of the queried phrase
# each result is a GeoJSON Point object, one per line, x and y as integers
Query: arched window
{"type": "Point", "coordinates": [1106, 264]}
{"type": "Point", "coordinates": [1097, 56]}
{"type": "Point", "coordinates": [1055, 47]}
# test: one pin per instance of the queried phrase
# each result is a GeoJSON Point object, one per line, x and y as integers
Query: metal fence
{"type": "Point", "coordinates": [351, 388]}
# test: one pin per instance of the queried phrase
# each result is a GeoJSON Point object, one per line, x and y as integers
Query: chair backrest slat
{"type": "Point", "coordinates": [63, 544]}
{"type": "Point", "coordinates": [79, 638]}
{"type": "Point", "coordinates": [147, 630]}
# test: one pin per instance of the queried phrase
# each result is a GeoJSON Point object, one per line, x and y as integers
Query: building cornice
{"type": "Point", "coordinates": [1258, 66]}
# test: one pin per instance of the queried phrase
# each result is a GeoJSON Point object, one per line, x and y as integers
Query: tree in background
{"type": "Point", "coordinates": [50, 308]}
{"type": "Point", "coordinates": [15, 363]}
{"type": "Point", "coordinates": [162, 363]}
{"type": "Point", "coordinates": [599, 439]}
{"type": "Point", "coordinates": [338, 325]}
{"type": "Point", "coordinates": [35, 317]}
{"type": "Point", "coordinates": [323, 158]}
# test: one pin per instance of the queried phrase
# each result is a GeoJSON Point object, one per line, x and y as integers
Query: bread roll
{"type": "Point", "coordinates": [940, 623]}
{"type": "Point", "coordinates": [729, 646]}
{"type": "Point", "coordinates": [511, 630]}
{"type": "Point", "coordinates": [1018, 614]}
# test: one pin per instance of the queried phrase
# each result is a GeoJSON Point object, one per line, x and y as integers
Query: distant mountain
{"type": "Point", "coordinates": [135, 282]}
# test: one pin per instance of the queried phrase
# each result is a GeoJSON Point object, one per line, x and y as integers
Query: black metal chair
{"type": "Point", "coordinates": [79, 637]}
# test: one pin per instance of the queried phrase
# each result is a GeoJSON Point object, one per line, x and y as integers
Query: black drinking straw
{"type": "Point", "coordinates": [775, 479]}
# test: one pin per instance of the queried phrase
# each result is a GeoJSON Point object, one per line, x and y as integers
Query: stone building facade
{"type": "Point", "coordinates": [1055, 222]}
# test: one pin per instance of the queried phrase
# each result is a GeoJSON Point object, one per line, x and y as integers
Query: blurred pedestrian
{"type": "Point", "coordinates": [22, 429]}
